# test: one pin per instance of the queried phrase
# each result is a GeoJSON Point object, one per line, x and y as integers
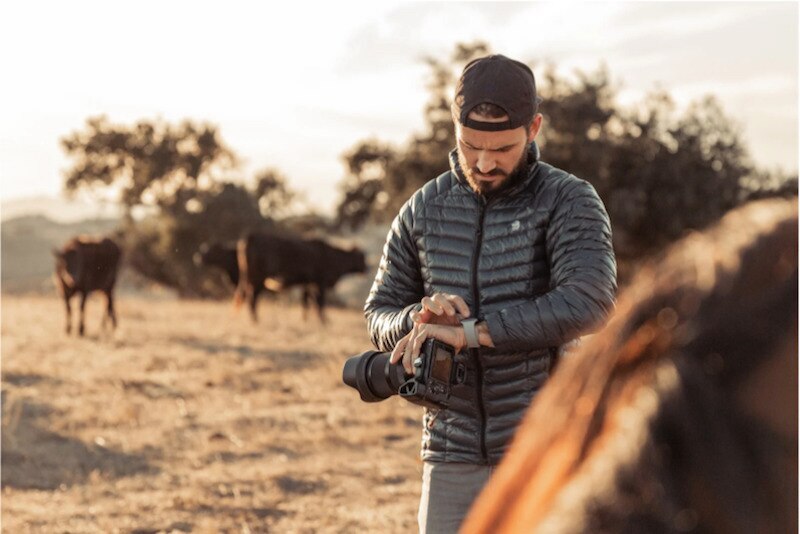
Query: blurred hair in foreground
{"type": "Point", "coordinates": [681, 416]}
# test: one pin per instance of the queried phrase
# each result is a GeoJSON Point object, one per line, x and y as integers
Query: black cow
{"type": "Point", "coordinates": [276, 262]}
{"type": "Point", "coordinates": [221, 256]}
{"type": "Point", "coordinates": [84, 265]}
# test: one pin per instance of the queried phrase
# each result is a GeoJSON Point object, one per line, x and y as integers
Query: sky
{"type": "Point", "coordinates": [294, 85]}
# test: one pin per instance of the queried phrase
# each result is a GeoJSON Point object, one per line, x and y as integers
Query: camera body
{"type": "Point", "coordinates": [436, 371]}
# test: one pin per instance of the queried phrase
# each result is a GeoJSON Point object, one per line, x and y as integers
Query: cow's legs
{"type": "Point", "coordinates": [105, 315]}
{"type": "Point", "coordinates": [83, 310]}
{"type": "Point", "coordinates": [306, 301]}
{"type": "Point", "coordinates": [67, 296]}
{"type": "Point", "coordinates": [321, 304]}
{"type": "Point", "coordinates": [110, 314]}
{"type": "Point", "coordinates": [252, 297]}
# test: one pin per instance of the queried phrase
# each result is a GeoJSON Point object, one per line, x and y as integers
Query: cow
{"type": "Point", "coordinates": [220, 256]}
{"type": "Point", "coordinates": [681, 416]}
{"type": "Point", "coordinates": [270, 261]}
{"type": "Point", "coordinates": [84, 265]}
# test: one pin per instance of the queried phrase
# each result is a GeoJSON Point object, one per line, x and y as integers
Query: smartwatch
{"type": "Point", "coordinates": [471, 332]}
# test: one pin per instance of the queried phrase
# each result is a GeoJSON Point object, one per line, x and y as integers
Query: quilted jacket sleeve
{"type": "Point", "coordinates": [582, 272]}
{"type": "Point", "coordinates": [397, 288]}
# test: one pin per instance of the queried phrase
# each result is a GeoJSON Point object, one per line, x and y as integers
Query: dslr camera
{"type": "Point", "coordinates": [435, 374]}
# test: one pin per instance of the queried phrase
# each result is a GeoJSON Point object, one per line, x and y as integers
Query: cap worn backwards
{"type": "Point", "coordinates": [498, 80]}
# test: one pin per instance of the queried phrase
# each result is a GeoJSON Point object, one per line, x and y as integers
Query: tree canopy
{"type": "Point", "coordinates": [152, 163]}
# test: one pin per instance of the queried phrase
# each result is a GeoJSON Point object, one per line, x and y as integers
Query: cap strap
{"type": "Point", "coordinates": [488, 126]}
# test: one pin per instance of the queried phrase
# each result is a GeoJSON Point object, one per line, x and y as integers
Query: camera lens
{"type": "Point", "coordinates": [373, 376]}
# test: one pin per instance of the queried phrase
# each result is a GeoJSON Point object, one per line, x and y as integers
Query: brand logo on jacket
{"type": "Point", "coordinates": [516, 225]}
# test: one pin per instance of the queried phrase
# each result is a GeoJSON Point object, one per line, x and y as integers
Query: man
{"type": "Point", "coordinates": [504, 257]}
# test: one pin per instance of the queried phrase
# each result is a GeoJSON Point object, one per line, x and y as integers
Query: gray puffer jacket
{"type": "Point", "coordinates": [536, 263]}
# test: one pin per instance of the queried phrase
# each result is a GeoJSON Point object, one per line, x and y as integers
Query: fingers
{"type": "Point", "coordinates": [415, 345]}
{"type": "Point", "coordinates": [410, 346]}
{"type": "Point", "coordinates": [443, 305]}
{"type": "Point", "coordinates": [440, 304]}
{"type": "Point", "coordinates": [399, 349]}
{"type": "Point", "coordinates": [408, 355]}
{"type": "Point", "coordinates": [432, 304]}
{"type": "Point", "coordinates": [460, 306]}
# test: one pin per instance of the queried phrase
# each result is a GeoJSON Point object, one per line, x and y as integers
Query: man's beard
{"type": "Point", "coordinates": [488, 189]}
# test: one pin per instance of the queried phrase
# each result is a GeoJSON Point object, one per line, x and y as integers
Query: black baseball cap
{"type": "Point", "coordinates": [498, 80]}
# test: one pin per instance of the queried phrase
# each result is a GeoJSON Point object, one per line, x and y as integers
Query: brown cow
{"type": "Point", "coordinates": [276, 262]}
{"type": "Point", "coordinates": [681, 416]}
{"type": "Point", "coordinates": [84, 265]}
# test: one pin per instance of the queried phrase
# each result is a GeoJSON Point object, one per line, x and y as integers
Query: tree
{"type": "Point", "coordinates": [274, 197]}
{"type": "Point", "coordinates": [153, 163]}
{"type": "Point", "coordinates": [364, 187]}
{"type": "Point", "coordinates": [659, 175]}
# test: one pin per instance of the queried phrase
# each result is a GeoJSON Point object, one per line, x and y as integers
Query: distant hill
{"type": "Point", "coordinates": [58, 208]}
{"type": "Point", "coordinates": [26, 246]}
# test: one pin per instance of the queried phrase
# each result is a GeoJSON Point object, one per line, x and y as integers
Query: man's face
{"type": "Point", "coordinates": [488, 159]}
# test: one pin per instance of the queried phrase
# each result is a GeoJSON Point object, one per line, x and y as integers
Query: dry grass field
{"type": "Point", "coordinates": [191, 419]}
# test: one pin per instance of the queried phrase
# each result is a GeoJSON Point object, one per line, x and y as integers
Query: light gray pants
{"type": "Point", "coordinates": [448, 490]}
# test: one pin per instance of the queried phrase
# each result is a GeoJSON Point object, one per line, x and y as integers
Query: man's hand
{"type": "Point", "coordinates": [408, 348]}
{"type": "Point", "coordinates": [441, 309]}
{"type": "Point", "coordinates": [440, 318]}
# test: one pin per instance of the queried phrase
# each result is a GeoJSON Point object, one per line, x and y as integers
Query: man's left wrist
{"type": "Point", "coordinates": [484, 335]}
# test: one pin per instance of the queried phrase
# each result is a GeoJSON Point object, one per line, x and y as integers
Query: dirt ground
{"type": "Point", "coordinates": [191, 419]}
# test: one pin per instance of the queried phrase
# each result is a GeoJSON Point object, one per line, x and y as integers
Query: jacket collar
{"type": "Point", "coordinates": [533, 159]}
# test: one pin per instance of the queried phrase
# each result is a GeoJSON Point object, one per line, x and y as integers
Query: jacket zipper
{"type": "Point", "coordinates": [476, 352]}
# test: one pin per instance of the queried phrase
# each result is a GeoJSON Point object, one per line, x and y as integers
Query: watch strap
{"type": "Point", "coordinates": [471, 332]}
